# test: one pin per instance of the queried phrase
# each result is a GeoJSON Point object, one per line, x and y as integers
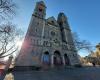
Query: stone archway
{"type": "Point", "coordinates": [46, 58]}
{"type": "Point", "coordinates": [66, 59]}
{"type": "Point", "coordinates": [57, 58]}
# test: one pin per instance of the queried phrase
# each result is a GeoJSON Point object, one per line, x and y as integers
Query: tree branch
{"type": "Point", "coordinates": [9, 54]}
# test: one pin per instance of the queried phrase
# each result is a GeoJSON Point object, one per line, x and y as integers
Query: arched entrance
{"type": "Point", "coordinates": [57, 58]}
{"type": "Point", "coordinates": [66, 59]}
{"type": "Point", "coordinates": [46, 58]}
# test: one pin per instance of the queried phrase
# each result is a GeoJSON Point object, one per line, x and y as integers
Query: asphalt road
{"type": "Point", "coordinates": [86, 73]}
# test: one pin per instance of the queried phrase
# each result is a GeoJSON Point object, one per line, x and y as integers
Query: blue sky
{"type": "Point", "coordinates": [83, 16]}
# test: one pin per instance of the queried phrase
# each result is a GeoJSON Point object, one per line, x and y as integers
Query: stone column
{"type": "Point", "coordinates": [52, 60]}
{"type": "Point", "coordinates": [63, 59]}
{"type": "Point", "coordinates": [41, 58]}
{"type": "Point", "coordinates": [43, 28]}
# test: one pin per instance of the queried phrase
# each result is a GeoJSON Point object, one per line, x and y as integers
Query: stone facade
{"type": "Point", "coordinates": [48, 42]}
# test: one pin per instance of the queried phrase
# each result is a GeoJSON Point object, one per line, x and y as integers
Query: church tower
{"type": "Point", "coordinates": [67, 37]}
{"type": "Point", "coordinates": [65, 29]}
{"type": "Point", "coordinates": [38, 20]}
{"type": "Point", "coordinates": [30, 52]}
{"type": "Point", "coordinates": [40, 10]}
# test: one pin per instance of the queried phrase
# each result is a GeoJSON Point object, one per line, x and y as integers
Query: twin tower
{"type": "Point", "coordinates": [48, 42]}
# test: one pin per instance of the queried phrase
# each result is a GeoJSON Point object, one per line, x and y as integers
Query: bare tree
{"type": "Point", "coordinates": [81, 44]}
{"type": "Point", "coordinates": [7, 8]}
{"type": "Point", "coordinates": [9, 34]}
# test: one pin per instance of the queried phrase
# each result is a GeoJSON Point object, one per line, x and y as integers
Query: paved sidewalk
{"type": "Point", "coordinates": [87, 73]}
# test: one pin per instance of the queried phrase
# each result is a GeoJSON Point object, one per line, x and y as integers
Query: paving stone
{"type": "Point", "coordinates": [92, 73]}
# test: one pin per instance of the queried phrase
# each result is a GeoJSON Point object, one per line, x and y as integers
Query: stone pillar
{"type": "Point", "coordinates": [43, 29]}
{"type": "Point", "coordinates": [52, 60]}
{"type": "Point", "coordinates": [41, 60]}
{"type": "Point", "coordinates": [63, 59]}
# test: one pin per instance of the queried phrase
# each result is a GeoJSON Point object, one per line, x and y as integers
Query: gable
{"type": "Point", "coordinates": [52, 21]}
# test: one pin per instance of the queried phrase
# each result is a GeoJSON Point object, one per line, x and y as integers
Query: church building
{"type": "Point", "coordinates": [48, 42]}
